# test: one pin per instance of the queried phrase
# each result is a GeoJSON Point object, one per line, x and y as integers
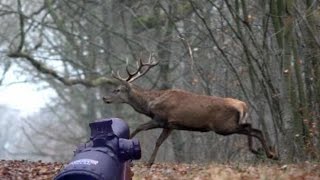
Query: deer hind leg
{"type": "Point", "coordinates": [163, 136]}
{"type": "Point", "coordinates": [252, 132]}
{"type": "Point", "coordinates": [146, 126]}
{"type": "Point", "coordinates": [258, 134]}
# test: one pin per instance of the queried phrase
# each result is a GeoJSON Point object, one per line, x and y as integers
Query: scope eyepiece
{"type": "Point", "coordinates": [129, 149]}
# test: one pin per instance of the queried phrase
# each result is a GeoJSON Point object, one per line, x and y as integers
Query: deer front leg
{"type": "Point", "coordinates": [250, 145]}
{"type": "Point", "coordinates": [163, 136]}
{"type": "Point", "coordinates": [248, 127]}
{"type": "Point", "coordinates": [146, 126]}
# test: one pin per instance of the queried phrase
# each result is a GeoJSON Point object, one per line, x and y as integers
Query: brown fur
{"type": "Point", "coordinates": [189, 110]}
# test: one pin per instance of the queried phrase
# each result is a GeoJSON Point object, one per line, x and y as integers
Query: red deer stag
{"type": "Point", "coordinates": [178, 109]}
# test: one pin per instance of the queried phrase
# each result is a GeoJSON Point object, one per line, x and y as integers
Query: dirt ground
{"type": "Point", "coordinates": [25, 170]}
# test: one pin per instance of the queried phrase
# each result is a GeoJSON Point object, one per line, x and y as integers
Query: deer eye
{"type": "Point", "coordinates": [116, 91]}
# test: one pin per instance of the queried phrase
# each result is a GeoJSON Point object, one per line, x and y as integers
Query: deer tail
{"type": "Point", "coordinates": [243, 119]}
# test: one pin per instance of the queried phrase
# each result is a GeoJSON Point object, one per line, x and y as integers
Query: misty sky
{"type": "Point", "coordinates": [26, 97]}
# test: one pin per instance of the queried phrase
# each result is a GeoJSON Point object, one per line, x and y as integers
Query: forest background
{"type": "Point", "coordinates": [264, 52]}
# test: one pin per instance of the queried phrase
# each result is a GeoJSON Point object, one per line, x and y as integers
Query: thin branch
{"type": "Point", "coordinates": [66, 81]}
{"type": "Point", "coordinates": [7, 66]}
{"type": "Point", "coordinates": [225, 57]}
{"type": "Point", "coordinates": [35, 146]}
{"type": "Point", "coordinates": [21, 23]}
{"type": "Point", "coordinates": [42, 67]}
{"type": "Point", "coordinates": [188, 46]}
{"type": "Point", "coordinates": [47, 135]}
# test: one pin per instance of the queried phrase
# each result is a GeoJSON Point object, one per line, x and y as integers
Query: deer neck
{"type": "Point", "coordinates": [139, 99]}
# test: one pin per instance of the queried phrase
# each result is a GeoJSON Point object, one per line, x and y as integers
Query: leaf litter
{"type": "Point", "coordinates": [25, 170]}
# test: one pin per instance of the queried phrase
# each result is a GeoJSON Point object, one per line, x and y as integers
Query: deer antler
{"type": "Point", "coordinates": [139, 72]}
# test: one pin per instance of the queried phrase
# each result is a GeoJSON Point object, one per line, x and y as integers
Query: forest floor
{"type": "Point", "coordinates": [25, 170]}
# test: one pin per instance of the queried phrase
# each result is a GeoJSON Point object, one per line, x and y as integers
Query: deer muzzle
{"type": "Point", "coordinates": [106, 100]}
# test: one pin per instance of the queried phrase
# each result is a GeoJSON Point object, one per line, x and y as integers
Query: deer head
{"type": "Point", "coordinates": [120, 94]}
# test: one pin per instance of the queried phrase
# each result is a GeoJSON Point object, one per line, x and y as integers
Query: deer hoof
{"type": "Point", "coordinates": [273, 154]}
{"type": "Point", "coordinates": [273, 157]}
{"type": "Point", "coordinates": [149, 164]}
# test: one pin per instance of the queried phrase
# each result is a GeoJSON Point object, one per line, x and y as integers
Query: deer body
{"type": "Point", "coordinates": [188, 111]}
{"type": "Point", "coordinates": [182, 110]}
